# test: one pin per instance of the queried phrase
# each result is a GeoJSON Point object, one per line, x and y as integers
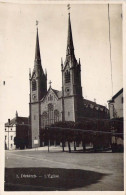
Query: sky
{"type": "Point", "coordinates": [90, 30]}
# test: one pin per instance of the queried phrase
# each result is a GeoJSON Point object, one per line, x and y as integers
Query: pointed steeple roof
{"type": "Point", "coordinates": [37, 50]}
{"type": "Point", "coordinates": [70, 46]}
{"type": "Point", "coordinates": [38, 70]}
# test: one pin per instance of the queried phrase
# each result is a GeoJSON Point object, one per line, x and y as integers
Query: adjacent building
{"type": "Point", "coordinates": [116, 116]}
{"type": "Point", "coordinates": [116, 105]}
{"type": "Point", "coordinates": [17, 128]}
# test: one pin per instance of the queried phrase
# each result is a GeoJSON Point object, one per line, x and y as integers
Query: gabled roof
{"type": "Point", "coordinates": [93, 105]}
{"type": "Point", "coordinates": [17, 120]}
{"type": "Point", "coordinates": [116, 95]}
{"type": "Point", "coordinates": [56, 92]}
{"type": "Point", "coordinates": [59, 94]}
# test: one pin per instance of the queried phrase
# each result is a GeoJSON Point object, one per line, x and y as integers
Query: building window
{"type": "Point", "coordinates": [11, 129]}
{"type": "Point", "coordinates": [50, 114]}
{"type": "Point", "coordinates": [56, 115]}
{"type": "Point", "coordinates": [50, 98]}
{"type": "Point", "coordinates": [44, 120]}
{"type": "Point", "coordinates": [67, 76]}
{"type": "Point", "coordinates": [11, 137]}
{"type": "Point", "coordinates": [11, 145]}
{"type": "Point", "coordinates": [5, 129]}
{"type": "Point", "coordinates": [5, 137]}
{"type": "Point", "coordinates": [50, 107]}
{"type": "Point", "coordinates": [33, 85]}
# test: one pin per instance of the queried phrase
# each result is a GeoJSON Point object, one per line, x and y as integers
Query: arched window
{"type": "Point", "coordinates": [56, 115]}
{"type": "Point", "coordinates": [44, 120]}
{"type": "Point", "coordinates": [33, 85]}
{"type": "Point", "coordinates": [50, 107]}
{"type": "Point", "coordinates": [50, 114]}
{"type": "Point", "coordinates": [44, 115]}
{"type": "Point", "coordinates": [67, 76]}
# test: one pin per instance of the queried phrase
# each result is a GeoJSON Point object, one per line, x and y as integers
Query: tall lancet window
{"type": "Point", "coordinates": [67, 76]}
{"type": "Point", "coordinates": [68, 50]}
{"type": "Point", "coordinates": [44, 120]}
{"type": "Point", "coordinates": [50, 114]}
{"type": "Point", "coordinates": [56, 115]}
{"type": "Point", "coordinates": [33, 85]}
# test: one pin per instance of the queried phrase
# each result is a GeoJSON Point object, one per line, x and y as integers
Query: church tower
{"type": "Point", "coordinates": [38, 88]}
{"type": "Point", "coordinates": [71, 81]}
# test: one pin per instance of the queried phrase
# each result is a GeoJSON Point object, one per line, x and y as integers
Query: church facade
{"type": "Point", "coordinates": [50, 106]}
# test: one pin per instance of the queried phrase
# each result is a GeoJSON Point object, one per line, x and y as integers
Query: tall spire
{"type": "Point", "coordinates": [70, 46]}
{"type": "Point", "coordinates": [37, 50]}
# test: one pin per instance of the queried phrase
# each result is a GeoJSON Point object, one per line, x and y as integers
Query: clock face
{"type": "Point", "coordinates": [67, 90]}
{"type": "Point", "coordinates": [34, 96]}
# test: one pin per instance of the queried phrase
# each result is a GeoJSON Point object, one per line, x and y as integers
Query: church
{"type": "Point", "coordinates": [48, 106]}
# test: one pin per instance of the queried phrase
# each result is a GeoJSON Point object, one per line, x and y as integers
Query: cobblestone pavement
{"type": "Point", "coordinates": [109, 165]}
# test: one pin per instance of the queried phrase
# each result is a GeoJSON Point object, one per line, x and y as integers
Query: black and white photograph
{"type": "Point", "coordinates": [62, 98]}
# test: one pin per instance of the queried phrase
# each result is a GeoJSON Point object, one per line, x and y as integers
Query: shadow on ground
{"type": "Point", "coordinates": [48, 179]}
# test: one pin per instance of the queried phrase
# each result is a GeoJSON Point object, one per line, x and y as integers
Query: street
{"type": "Point", "coordinates": [56, 170]}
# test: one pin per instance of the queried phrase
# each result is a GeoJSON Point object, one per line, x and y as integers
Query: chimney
{"type": "Point", "coordinates": [9, 121]}
{"type": "Point", "coordinates": [94, 100]}
{"type": "Point", "coordinates": [16, 114]}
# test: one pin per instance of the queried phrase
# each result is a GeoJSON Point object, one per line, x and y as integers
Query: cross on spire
{"type": "Point", "coordinates": [68, 8]}
{"type": "Point", "coordinates": [37, 23]}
